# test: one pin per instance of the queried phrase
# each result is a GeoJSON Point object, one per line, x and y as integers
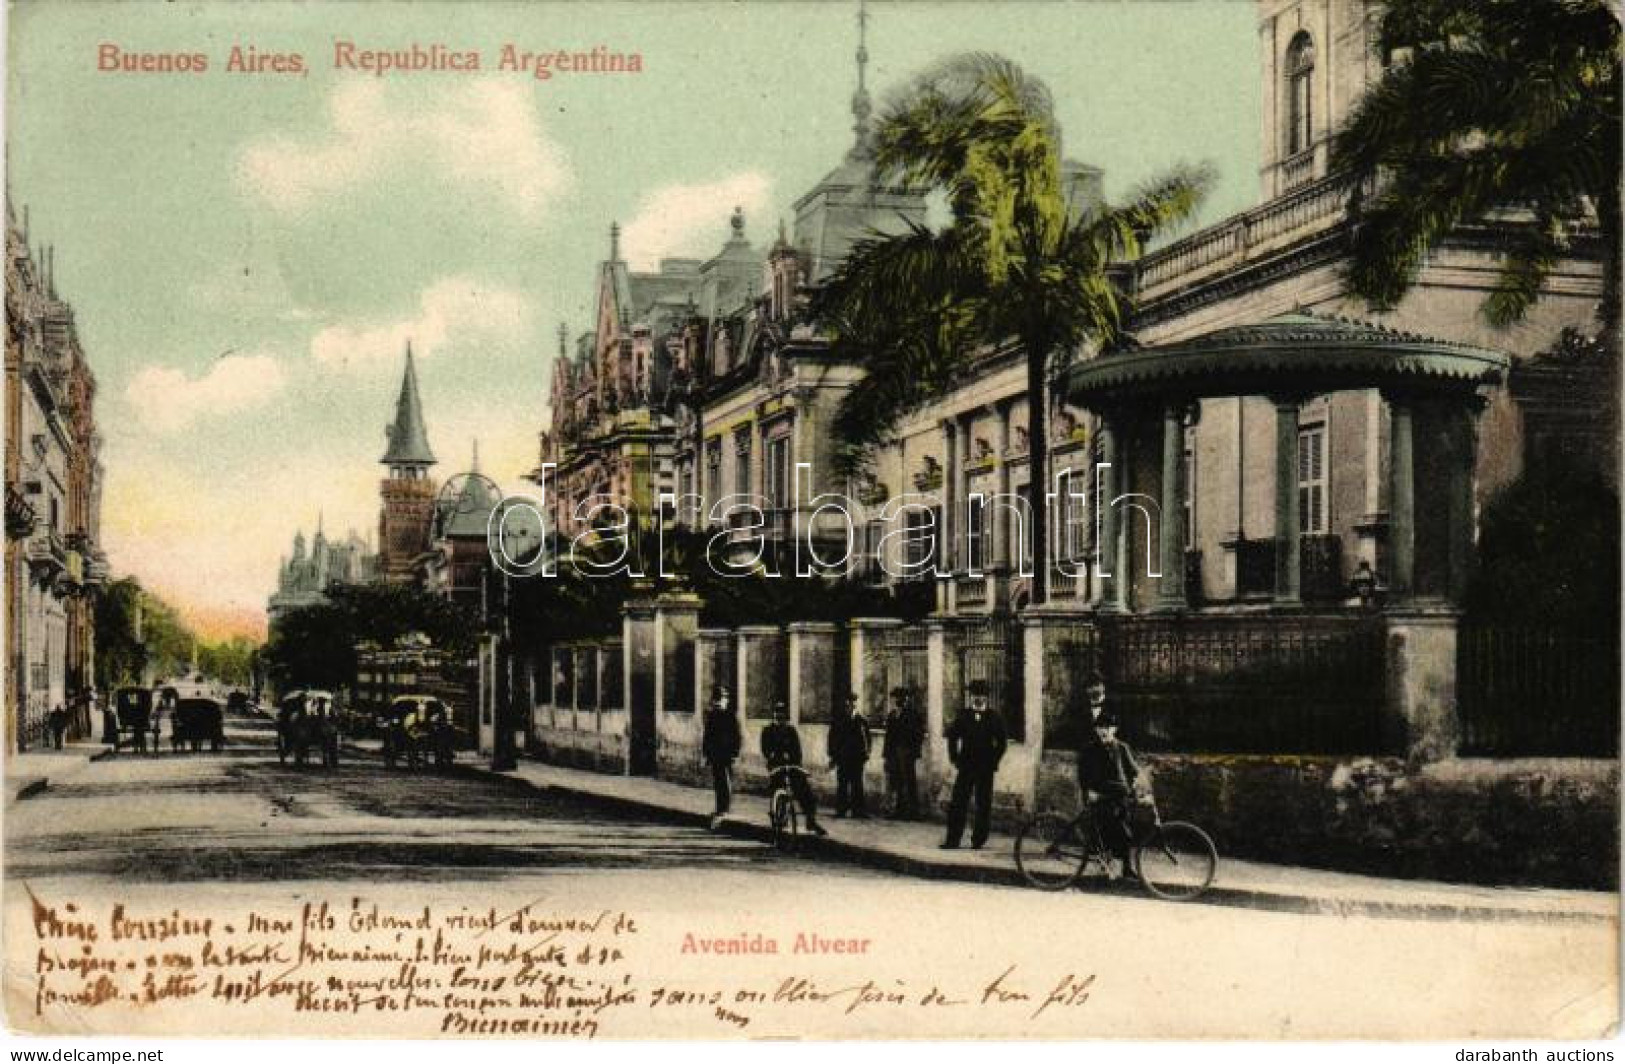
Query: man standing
{"type": "Point", "coordinates": [976, 744]}
{"type": "Point", "coordinates": [905, 736]}
{"type": "Point", "coordinates": [58, 721]}
{"type": "Point", "coordinates": [849, 746]}
{"type": "Point", "coordinates": [719, 745]}
{"type": "Point", "coordinates": [781, 749]}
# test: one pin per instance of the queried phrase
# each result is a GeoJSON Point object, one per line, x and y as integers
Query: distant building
{"type": "Point", "coordinates": [458, 559]}
{"type": "Point", "coordinates": [303, 578]}
{"type": "Point", "coordinates": [406, 519]}
{"type": "Point", "coordinates": [54, 564]}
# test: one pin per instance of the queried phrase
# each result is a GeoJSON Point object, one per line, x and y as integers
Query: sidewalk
{"type": "Point", "coordinates": [30, 773]}
{"type": "Point", "coordinates": [911, 848]}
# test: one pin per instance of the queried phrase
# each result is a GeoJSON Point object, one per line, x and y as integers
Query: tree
{"type": "Point", "coordinates": [120, 657]}
{"type": "Point", "coordinates": [1500, 105]}
{"type": "Point", "coordinates": [1019, 261]}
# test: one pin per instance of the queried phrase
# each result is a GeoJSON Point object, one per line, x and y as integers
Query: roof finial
{"type": "Point", "coordinates": [862, 147]}
{"type": "Point", "coordinates": [564, 338]}
{"type": "Point", "coordinates": [476, 468]}
{"type": "Point", "coordinates": [737, 222]}
{"type": "Point", "coordinates": [614, 241]}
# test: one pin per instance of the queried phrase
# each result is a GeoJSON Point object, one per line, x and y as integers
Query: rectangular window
{"type": "Point", "coordinates": [778, 472]}
{"type": "Point", "coordinates": [976, 535]}
{"type": "Point", "coordinates": [873, 530]}
{"type": "Point", "coordinates": [1074, 509]}
{"type": "Point", "coordinates": [742, 482]}
{"type": "Point", "coordinates": [1312, 518]}
{"type": "Point", "coordinates": [713, 469]}
{"type": "Point", "coordinates": [924, 538]}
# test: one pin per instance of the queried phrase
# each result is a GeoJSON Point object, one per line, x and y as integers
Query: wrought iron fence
{"type": "Point", "coordinates": [1537, 692]}
{"type": "Point", "coordinates": [1237, 684]}
{"type": "Point", "coordinates": [903, 654]}
{"type": "Point", "coordinates": [992, 651]}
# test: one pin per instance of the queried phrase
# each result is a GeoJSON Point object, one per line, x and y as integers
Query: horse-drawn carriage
{"type": "Point", "coordinates": [197, 720]}
{"type": "Point", "coordinates": [418, 730]}
{"type": "Point", "coordinates": [307, 721]}
{"type": "Point", "coordinates": [132, 709]}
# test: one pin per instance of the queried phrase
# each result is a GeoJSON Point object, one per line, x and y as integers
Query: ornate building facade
{"type": "Point", "coordinates": [54, 563]}
{"type": "Point", "coordinates": [303, 578]}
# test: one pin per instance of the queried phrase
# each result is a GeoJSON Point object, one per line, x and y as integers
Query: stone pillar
{"type": "Point", "coordinates": [678, 624]}
{"type": "Point", "coordinates": [1401, 501]}
{"type": "Point", "coordinates": [1420, 662]}
{"type": "Point", "coordinates": [941, 671]}
{"type": "Point", "coordinates": [1170, 523]}
{"type": "Point", "coordinates": [1114, 580]}
{"type": "Point", "coordinates": [1288, 573]}
{"type": "Point", "coordinates": [812, 685]}
{"type": "Point", "coordinates": [761, 647]}
{"type": "Point", "coordinates": [868, 663]}
{"type": "Point", "coordinates": [639, 673]}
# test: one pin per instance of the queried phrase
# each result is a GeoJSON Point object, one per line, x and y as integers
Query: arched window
{"type": "Point", "coordinates": [1300, 64]}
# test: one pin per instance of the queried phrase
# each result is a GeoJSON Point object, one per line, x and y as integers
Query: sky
{"type": "Point", "coordinates": [247, 254]}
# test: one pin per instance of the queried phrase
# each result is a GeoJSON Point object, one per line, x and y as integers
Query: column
{"type": "Point", "coordinates": [1463, 428]}
{"type": "Point", "coordinates": [1111, 569]}
{"type": "Point", "coordinates": [1006, 551]}
{"type": "Point", "coordinates": [1401, 501]}
{"type": "Point", "coordinates": [1171, 521]}
{"type": "Point", "coordinates": [1287, 570]}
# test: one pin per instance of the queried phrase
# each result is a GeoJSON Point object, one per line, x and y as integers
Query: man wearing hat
{"type": "Point", "coordinates": [781, 749]}
{"type": "Point", "coordinates": [1106, 768]}
{"type": "Point", "coordinates": [905, 736]}
{"type": "Point", "coordinates": [848, 747]}
{"type": "Point", "coordinates": [976, 743]}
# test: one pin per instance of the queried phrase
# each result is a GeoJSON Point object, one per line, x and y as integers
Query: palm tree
{"type": "Point", "coordinates": [1500, 105]}
{"type": "Point", "coordinates": [1017, 263]}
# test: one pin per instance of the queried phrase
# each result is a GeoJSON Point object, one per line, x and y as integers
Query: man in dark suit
{"type": "Point", "coordinates": [848, 747]}
{"type": "Point", "coordinates": [1107, 769]}
{"type": "Point", "coordinates": [905, 736]}
{"type": "Point", "coordinates": [781, 749]}
{"type": "Point", "coordinates": [719, 745]}
{"type": "Point", "coordinates": [976, 744]}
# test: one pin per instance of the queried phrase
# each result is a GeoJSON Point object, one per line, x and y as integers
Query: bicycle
{"type": "Point", "coordinates": [1174, 860]}
{"type": "Point", "coordinates": [783, 814]}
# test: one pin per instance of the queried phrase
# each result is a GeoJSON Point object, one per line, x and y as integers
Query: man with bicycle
{"type": "Point", "coordinates": [1106, 768]}
{"type": "Point", "coordinates": [781, 749]}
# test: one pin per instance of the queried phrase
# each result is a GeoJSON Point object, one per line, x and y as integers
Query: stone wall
{"type": "Point", "coordinates": [1547, 822]}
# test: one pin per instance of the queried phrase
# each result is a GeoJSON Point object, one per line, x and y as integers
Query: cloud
{"type": "Point", "coordinates": [166, 400]}
{"type": "Point", "coordinates": [485, 135]}
{"type": "Point", "coordinates": [453, 312]}
{"type": "Point", "coordinates": [691, 219]}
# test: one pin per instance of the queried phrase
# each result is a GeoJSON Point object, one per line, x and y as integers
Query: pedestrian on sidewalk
{"type": "Point", "coordinates": [110, 724]}
{"type": "Point", "coordinates": [976, 744]}
{"type": "Point", "coordinates": [781, 749]}
{"type": "Point", "coordinates": [900, 750]}
{"type": "Point", "coordinates": [58, 721]}
{"type": "Point", "coordinates": [719, 746]}
{"type": "Point", "coordinates": [849, 747]}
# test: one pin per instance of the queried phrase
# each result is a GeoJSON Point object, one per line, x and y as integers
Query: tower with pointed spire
{"type": "Point", "coordinates": [407, 514]}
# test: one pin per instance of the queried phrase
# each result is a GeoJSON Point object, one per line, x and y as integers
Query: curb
{"type": "Point", "coordinates": [35, 787]}
{"type": "Point", "coordinates": [1263, 899]}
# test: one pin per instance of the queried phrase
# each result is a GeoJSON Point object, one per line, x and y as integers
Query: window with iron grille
{"type": "Point", "coordinates": [713, 468]}
{"type": "Point", "coordinates": [1074, 515]}
{"type": "Point", "coordinates": [1188, 502]}
{"type": "Point", "coordinates": [1312, 480]}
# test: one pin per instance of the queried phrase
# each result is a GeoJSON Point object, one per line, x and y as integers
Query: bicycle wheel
{"type": "Point", "coordinates": [1051, 852]}
{"type": "Point", "coordinates": [1177, 862]}
{"type": "Point", "coordinates": [782, 814]}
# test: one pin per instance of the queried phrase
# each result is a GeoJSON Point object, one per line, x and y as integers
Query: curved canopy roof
{"type": "Point", "coordinates": [1291, 354]}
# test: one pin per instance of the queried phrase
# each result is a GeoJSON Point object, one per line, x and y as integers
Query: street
{"type": "Point", "coordinates": [239, 832]}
